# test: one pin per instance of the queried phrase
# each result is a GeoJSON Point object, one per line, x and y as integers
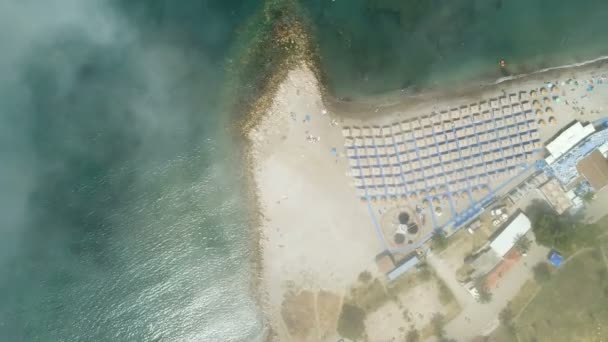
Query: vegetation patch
{"type": "Point", "coordinates": [571, 306]}
{"type": "Point", "coordinates": [328, 310]}
{"type": "Point", "coordinates": [370, 296]}
{"type": "Point", "coordinates": [542, 272]}
{"type": "Point", "coordinates": [524, 296]}
{"type": "Point", "coordinates": [439, 241]}
{"type": "Point", "coordinates": [350, 323]}
{"type": "Point", "coordinates": [299, 313]}
{"type": "Point", "coordinates": [564, 233]}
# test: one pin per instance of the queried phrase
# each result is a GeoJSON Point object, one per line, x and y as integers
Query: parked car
{"type": "Point", "coordinates": [473, 290]}
{"type": "Point", "coordinates": [496, 212]}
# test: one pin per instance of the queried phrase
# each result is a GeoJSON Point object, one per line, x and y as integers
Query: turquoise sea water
{"type": "Point", "coordinates": [122, 204]}
{"type": "Point", "coordinates": [122, 211]}
{"type": "Point", "coordinates": [371, 46]}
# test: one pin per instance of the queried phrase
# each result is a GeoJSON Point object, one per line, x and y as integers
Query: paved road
{"type": "Point", "coordinates": [481, 319]}
{"type": "Point", "coordinates": [448, 275]}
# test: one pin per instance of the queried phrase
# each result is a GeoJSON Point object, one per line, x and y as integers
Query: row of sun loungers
{"type": "Point", "coordinates": [457, 150]}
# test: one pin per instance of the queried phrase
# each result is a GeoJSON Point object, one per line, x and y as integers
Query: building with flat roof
{"type": "Point", "coordinates": [556, 196]}
{"type": "Point", "coordinates": [506, 239]}
{"type": "Point", "coordinates": [567, 139]}
{"type": "Point", "coordinates": [401, 269]}
{"type": "Point", "coordinates": [385, 262]}
{"type": "Point", "coordinates": [594, 168]}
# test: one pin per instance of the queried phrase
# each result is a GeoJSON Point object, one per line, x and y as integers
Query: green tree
{"type": "Point", "coordinates": [438, 324]}
{"type": "Point", "coordinates": [439, 241]}
{"type": "Point", "coordinates": [412, 336]}
{"type": "Point", "coordinates": [350, 322]}
{"type": "Point", "coordinates": [560, 232]}
{"type": "Point", "coordinates": [588, 197]}
{"type": "Point", "coordinates": [522, 243]}
{"type": "Point", "coordinates": [542, 272]}
{"type": "Point", "coordinates": [506, 318]}
{"type": "Point", "coordinates": [485, 296]}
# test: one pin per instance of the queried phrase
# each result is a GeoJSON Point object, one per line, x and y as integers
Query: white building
{"type": "Point", "coordinates": [567, 140]}
{"type": "Point", "coordinates": [506, 239]}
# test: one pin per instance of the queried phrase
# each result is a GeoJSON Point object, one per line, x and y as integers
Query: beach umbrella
{"type": "Point", "coordinates": [549, 110]}
{"type": "Point", "coordinates": [552, 120]}
{"type": "Point", "coordinates": [555, 89]}
{"type": "Point", "coordinates": [539, 112]}
{"type": "Point", "coordinates": [544, 91]}
{"type": "Point", "coordinates": [547, 101]}
{"type": "Point", "coordinates": [532, 92]}
{"type": "Point", "coordinates": [536, 104]}
{"type": "Point", "coordinates": [346, 131]}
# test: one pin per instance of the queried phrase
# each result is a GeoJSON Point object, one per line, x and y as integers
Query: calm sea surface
{"type": "Point", "coordinates": [122, 218]}
{"type": "Point", "coordinates": [371, 46]}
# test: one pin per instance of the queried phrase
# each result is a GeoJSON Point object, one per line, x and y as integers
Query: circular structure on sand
{"type": "Point", "coordinates": [401, 224]}
{"type": "Point", "coordinates": [404, 218]}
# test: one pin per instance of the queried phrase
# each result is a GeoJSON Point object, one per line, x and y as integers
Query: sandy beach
{"type": "Point", "coordinates": [317, 234]}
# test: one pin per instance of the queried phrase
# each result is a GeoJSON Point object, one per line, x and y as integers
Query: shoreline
{"type": "Point", "coordinates": [382, 104]}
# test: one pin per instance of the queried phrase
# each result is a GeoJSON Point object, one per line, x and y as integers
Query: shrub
{"type": "Point", "coordinates": [542, 273]}
{"type": "Point", "coordinates": [350, 322]}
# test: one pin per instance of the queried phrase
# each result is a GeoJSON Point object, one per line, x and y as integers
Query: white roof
{"type": "Point", "coordinates": [604, 149]}
{"type": "Point", "coordinates": [394, 274]}
{"type": "Point", "coordinates": [506, 239]}
{"type": "Point", "coordinates": [568, 139]}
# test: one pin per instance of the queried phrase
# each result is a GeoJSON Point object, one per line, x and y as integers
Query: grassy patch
{"type": "Point", "coordinates": [571, 305]}
{"type": "Point", "coordinates": [445, 294]}
{"type": "Point", "coordinates": [350, 323]}
{"type": "Point", "coordinates": [369, 296]}
{"type": "Point", "coordinates": [525, 294]}
{"type": "Point", "coordinates": [450, 311]}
